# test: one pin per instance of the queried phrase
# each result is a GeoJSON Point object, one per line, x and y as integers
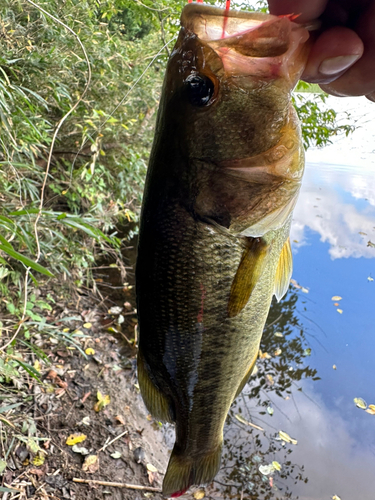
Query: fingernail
{"type": "Point", "coordinates": [338, 64]}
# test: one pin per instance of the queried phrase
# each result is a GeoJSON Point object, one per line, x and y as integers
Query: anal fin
{"type": "Point", "coordinates": [247, 376]}
{"type": "Point", "coordinates": [283, 271]}
{"type": "Point", "coordinates": [248, 273]}
{"type": "Point", "coordinates": [156, 402]}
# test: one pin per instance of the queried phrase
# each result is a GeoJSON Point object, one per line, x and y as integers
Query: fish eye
{"type": "Point", "coordinates": [200, 89]}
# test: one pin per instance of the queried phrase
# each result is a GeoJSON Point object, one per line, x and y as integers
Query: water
{"type": "Point", "coordinates": [318, 358]}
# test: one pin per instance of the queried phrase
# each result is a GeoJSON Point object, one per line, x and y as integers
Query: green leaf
{"type": "Point", "coordinates": [25, 260]}
{"type": "Point", "coordinates": [30, 369]}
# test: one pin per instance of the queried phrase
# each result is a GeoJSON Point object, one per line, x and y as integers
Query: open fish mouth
{"type": "Point", "coordinates": [276, 43]}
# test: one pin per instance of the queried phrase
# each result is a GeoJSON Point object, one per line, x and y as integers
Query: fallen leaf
{"type": "Point", "coordinates": [276, 465]}
{"type": "Point", "coordinates": [102, 401]}
{"type": "Point", "coordinates": [37, 365]}
{"type": "Point", "coordinates": [89, 351]}
{"type": "Point", "coordinates": [80, 449]}
{"type": "Point", "coordinates": [39, 459]}
{"type": "Point", "coordinates": [151, 468]}
{"type": "Point", "coordinates": [91, 464]}
{"type": "Point", "coordinates": [75, 439]}
{"type": "Point", "coordinates": [361, 403]}
{"type": "Point", "coordinates": [120, 419]}
{"type": "Point", "coordinates": [116, 454]}
{"type": "Point", "coordinates": [87, 325]}
{"type": "Point", "coordinates": [278, 334]}
{"type": "Point", "coordinates": [371, 409]}
{"type": "Point", "coordinates": [3, 465]}
{"type": "Point", "coordinates": [270, 410]}
{"type": "Point", "coordinates": [278, 352]}
{"type": "Point", "coordinates": [264, 355]}
{"type": "Point", "coordinates": [151, 476]}
{"type": "Point", "coordinates": [199, 494]}
{"type": "Point", "coordinates": [85, 420]}
{"type": "Point", "coordinates": [335, 497]}
{"type": "Point", "coordinates": [285, 437]}
{"type": "Point", "coordinates": [266, 470]}
{"type": "Point", "coordinates": [270, 379]}
{"type": "Point", "coordinates": [37, 472]}
{"type": "Point", "coordinates": [339, 311]}
{"type": "Point", "coordinates": [334, 367]}
{"type": "Point", "coordinates": [336, 298]}
{"type": "Point", "coordinates": [336, 304]}
{"type": "Point", "coordinates": [307, 352]}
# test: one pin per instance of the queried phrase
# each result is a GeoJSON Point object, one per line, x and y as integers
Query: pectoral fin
{"type": "Point", "coordinates": [156, 402]}
{"type": "Point", "coordinates": [248, 273]}
{"type": "Point", "coordinates": [284, 271]}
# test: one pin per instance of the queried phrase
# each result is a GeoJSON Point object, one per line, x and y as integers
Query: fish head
{"type": "Point", "coordinates": [227, 110]}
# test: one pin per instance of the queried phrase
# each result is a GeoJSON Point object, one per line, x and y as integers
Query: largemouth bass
{"type": "Point", "coordinates": [224, 175]}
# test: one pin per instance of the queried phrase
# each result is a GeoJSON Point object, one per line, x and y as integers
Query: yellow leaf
{"type": "Point", "coordinates": [339, 311]}
{"type": "Point", "coordinates": [361, 403]}
{"type": "Point", "coordinates": [87, 325]}
{"type": "Point", "coordinates": [285, 437]}
{"type": "Point", "coordinates": [39, 459]}
{"type": "Point", "coordinates": [102, 401]}
{"type": "Point", "coordinates": [37, 365]}
{"type": "Point", "coordinates": [75, 438]}
{"type": "Point", "coordinates": [151, 468]}
{"type": "Point", "coordinates": [335, 497]}
{"type": "Point", "coordinates": [270, 379]}
{"type": "Point", "coordinates": [276, 465]}
{"type": "Point", "coordinates": [371, 409]}
{"type": "Point", "coordinates": [199, 494]}
{"type": "Point", "coordinates": [336, 298]}
{"type": "Point", "coordinates": [66, 330]}
{"type": "Point", "coordinates": [334, 367]}
{"type": "Point", "coordinates": [278, 352]}
{"type": "Point", "coordinates": [90, 351]}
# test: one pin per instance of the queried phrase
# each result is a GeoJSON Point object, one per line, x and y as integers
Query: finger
{"type": "Point", "coordinates": [360, 78]}
{"type": "Point", "coordinates": [333, 52]}
{"type": "Point", "coordinates": [309, 9]}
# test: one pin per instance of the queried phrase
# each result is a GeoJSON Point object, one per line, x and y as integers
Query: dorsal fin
{"type": "Point", "coordinates": [248, 273]}
{"type": "Point", "coordinates": [284, 271]}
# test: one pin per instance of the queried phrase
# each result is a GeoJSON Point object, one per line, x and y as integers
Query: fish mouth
{"type": "Point", "coordinates": [250, 43]}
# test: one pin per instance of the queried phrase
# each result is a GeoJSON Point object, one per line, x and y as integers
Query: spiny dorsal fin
{"type": "Point", "coordinates": [248, 273]}
{"type": "Point", "coordinates": [283, 271]}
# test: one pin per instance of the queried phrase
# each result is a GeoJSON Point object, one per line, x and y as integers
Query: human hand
{"type": "Point", "coordinates": [342, 58]}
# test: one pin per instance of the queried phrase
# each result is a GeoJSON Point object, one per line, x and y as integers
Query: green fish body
{"type": "Point", "coordinates": [223, 179]}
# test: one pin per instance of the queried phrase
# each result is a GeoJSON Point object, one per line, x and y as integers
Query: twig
{"type": "Point", "coordinates": [117, 485]}
{"type": "Point", "coordinates": [113, 440]}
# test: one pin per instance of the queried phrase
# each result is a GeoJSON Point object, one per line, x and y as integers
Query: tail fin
{"type": "Point", "coordinates": [184, 471]}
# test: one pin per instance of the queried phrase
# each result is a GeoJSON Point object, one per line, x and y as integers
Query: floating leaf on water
{"type": "Point", "coordinates": [89, 351]}
{"type": "Point", "coordinates": [266, 470]}
{"type": "Point", "coordinates": [256, 459]}
{"type": "Point", "coordinates": [307, 352]}
{"type": "Point", "coordinates": [270, 410]}
{"type": "Point", "coordinates": [80, 449]}
{"type": "Point", "coordinates": [361, 403]}
{"type": "Point", "coordinates": [270, 379]}
{"type": "Point", "coordinates": [263, 355]}
{"type": "Point", "coordinates": [339, 311]}
{"type": "Point", "coordinates": [151, 468]}
{"type": "Point", "coordinates": [91, 464]}
{"type": "Point", "coordinates": [336, 304]}
{"type": "Point", "coordinates": [370, 244]}
{"type": "Point", "coordinates": [102, 401]}
{"type": "Point", "coordinates": [116, 454]}
{"type": "Point", "coordinates": [278, 352]}
{"type": "Point", "coordinates": [371, 409]}
{"type": "Point", "coordinates": [199, 494]}
{"type": "Point", "coordinates": [370, 279]}
{"type": "Point", "coordinates": [244, 421]}
{"type": "Point", "coordinates": [285, 437]}
{"type": "Point", "coordinates": [75, 439]}
{"type": "Point", "coordinates": [304, 290]}
{"type": "Point", "coordinates": [276, 465]}
{"type": "Point", "coordinates": [278, 334]}
{"type": "Point", "coordinates": [362, 233]}
{"type": "Point", "coordinates": [334, 367]}
{"type": "Point", "coordinates": [336, 298]}
{"type": "Point", "coordinates": [335, 497]}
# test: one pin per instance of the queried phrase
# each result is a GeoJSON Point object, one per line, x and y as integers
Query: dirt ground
{"type": "Point", "coordinates": [126, 444]}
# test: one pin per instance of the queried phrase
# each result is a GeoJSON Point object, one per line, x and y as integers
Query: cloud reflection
{"type": "Point", "coordinates": [339, 204]}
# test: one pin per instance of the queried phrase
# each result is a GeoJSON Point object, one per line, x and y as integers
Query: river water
{"type": "Point", "coordinates": [318, 351]}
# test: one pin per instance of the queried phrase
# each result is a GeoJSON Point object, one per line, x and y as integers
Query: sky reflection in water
{"type": "Point", "coordinates": [336, 440]}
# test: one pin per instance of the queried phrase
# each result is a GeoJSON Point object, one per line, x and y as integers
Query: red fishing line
{"type": "Point", "coordinates": [227, 4]}
{"type": "Point", "coordinates": [227, 7]}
